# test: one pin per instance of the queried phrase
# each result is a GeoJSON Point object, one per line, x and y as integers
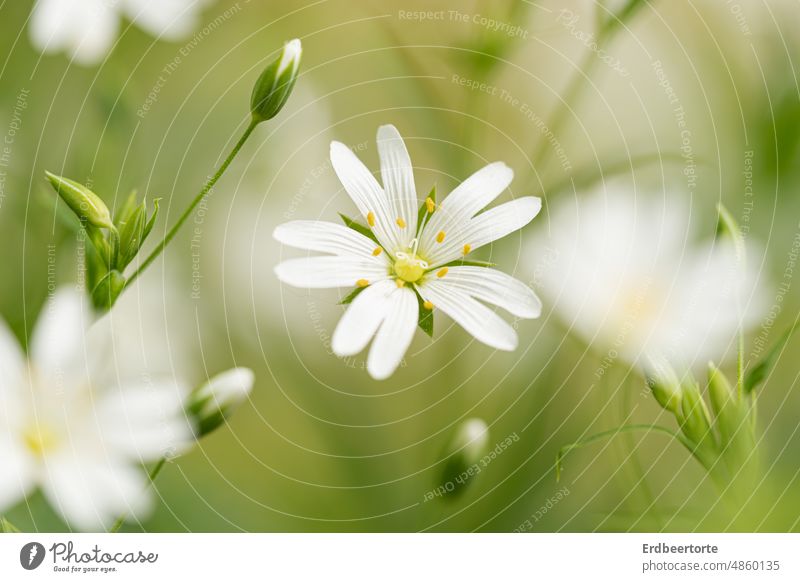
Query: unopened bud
{"type": "Point", "coordinates": [462, 455]}
{"type": "Point", "coordinates": [84, 203]}
{"type": "Point", "coordinates": [694, 416]}
{"type": "Point", "coordinates": [664, 383]}
{"type": "Point", "coordinates": [213, 403]}
{"type": "Point", "coordinates": [105, 293]}
{"type": "Point", "coordinates": [276, 82]}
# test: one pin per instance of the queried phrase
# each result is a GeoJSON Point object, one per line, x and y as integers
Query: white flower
{"type": "Point", "coordinates": [624, 272]}
{"type": "Point", "coordinates": [86, 29]}
{"type": "Point", "coordinates": [403, 269]}
{"type": "Point", "coordinates": [70, 426]}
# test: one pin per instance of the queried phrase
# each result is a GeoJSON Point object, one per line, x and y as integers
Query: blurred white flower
{"type": "Point", "coordinates": [407, 262]}
{"type": "Point", "coordinates": [623, 271]}
{"type": "Point", "coordinates": [71, 426]}
{"type": "Point", "coordinates": [213, 402]}
{"type": "Point", "coordinates": [86, 29]}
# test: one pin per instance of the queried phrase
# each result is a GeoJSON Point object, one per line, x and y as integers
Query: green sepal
{"type": "Point", "coordinates": [423, 210]}
{"type": "Point", "coordinates": [152, 220]}
{"type": "Point", "coordinates": [8, 527]}
{"type": "Point", "coordinates": [727, 226]}
{"type": "Point", "coordinates": [125, 210]}
{"type": "Point", "coordinates": [352, 295]}
{"type": "Point", "coordinates": [761, 370]}
{"type": "Point", "coordinates": [425, 317]}
{"type": "Point", "coordinates": [359, 228]}
{"type": "Point", "coordinates": [131, 235]}
{"type": "Point", "coordinates": [107, 290]}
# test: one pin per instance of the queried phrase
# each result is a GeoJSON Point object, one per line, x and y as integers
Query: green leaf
{"type": "Point", "coordinates": [423, 210]}
{"type": "Point", "coordinates": [352, 295]}
{"type": "Point", "coordinates": [761, 370]}
{"type": "Point", "coordinates": [359, 228]}
{"type": "Point", "coordinates": [425, 320]}
{"type": "Point", "coordinates": [125, 210]}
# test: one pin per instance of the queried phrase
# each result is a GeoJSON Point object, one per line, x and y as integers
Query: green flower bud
{"type": "Point", "coordinates": [665, 385]}
{"type": "Point", "coordinates": [213, 403]}
{"type": "Point", "coordinates": [107, 290]}
{"type": "Point", "coordinates": [722, 402]}
{"type": "Point", "coordinates": [84, 203]}
{"type": "Point", "coordinates": [462, 455]}
{"type": "Point", "coordinates": [276, 83]}
{"type": "Point", "coordinates": [131, 234]}
{"type": "Point", "coordinates": [694, 417]}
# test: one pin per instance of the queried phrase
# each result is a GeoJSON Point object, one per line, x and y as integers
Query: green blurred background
{"type": "Point", "coordinates": [321, 446]}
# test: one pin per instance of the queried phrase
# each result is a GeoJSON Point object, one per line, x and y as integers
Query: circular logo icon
{"type": "Point", "coordinates": [31, 555]}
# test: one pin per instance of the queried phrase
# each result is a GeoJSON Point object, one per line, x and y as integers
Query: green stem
{"type": "Point", "coordinates": [188, 212]}
{"type": "Point", "coordinates": [151, 477]}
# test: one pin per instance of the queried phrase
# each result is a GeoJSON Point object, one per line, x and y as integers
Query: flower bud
{"type": "Point", "coordinates": [105, 293]}
{"type": "Point", "coordinates": [211, 404]}
{"type": "Point", "coordinates": [722, 402]}
{"type": "Point", "coordinates": [665, 385]}
{"type": "Point", "coordinates": [462, 455]}
{"type": "Point", "coordinates": [276, 82]}
{"type": "Point", "coordinates": [694, 417]}
{"type": "Point", "coordinates": [84, 203]}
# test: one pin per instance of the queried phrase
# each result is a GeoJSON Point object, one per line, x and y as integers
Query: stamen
{"type": "Point", "coordinates": [362, 282]}
{"type": "Point", "coordinates": [377, 251]}
{"type": "Point", "coordinates": [430, 205]}
{"type": "Point", "coordinates": [400, 283]}
{"type": "Point", "coordinates": [428, 305]}
{"type": "Point", "coordinates": [440, 237]}
{"type": "Point", "coordinates": [442, 272]}
{"type": "Point", "coordinates": [401, 223]}
{"type": "Point", "coordinates": [371, 218]}
{"type": "Point", "coordinates": [467, 249]}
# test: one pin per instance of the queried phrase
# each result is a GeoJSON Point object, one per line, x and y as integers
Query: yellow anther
{"type": "Point", "coordinates": [430, 205]}
{"type": "Point", "coordinates": [371, 218]}
{"type": "Point", "coordinates": [400, 283]}
{"type": "Point", "coordinates": [428, 305]}
{"type": "Point", "coordinates": [377, 251]}
{"type": "Point", "coordinates": [401, 223]}
{"type": "Point", "coordinates": [362, 282]}
{"type": "Point", "coordinates": [440, 236]}
{"type": "Point", "coordinates": [442, 272]}
{"type": "Point", "coordinates": [467, 249]}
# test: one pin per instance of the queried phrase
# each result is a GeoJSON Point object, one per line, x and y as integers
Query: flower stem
{"type": "Point", "coordinates": [188, 212]}
{"type": "Point", "coordinates": [151, 477]}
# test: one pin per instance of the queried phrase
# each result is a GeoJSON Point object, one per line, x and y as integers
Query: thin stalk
{"type": "Point", "coordinates": [188, 212]}
{"type": "Point", "coordinates": [151, 477]}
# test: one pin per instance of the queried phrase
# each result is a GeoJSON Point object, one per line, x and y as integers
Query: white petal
{"type": "Point", "coordinates": [90, 494]}
{"type": "Point", "coordinates": [84, 28]}
{"type": "Point", "coordinates": [168, 19]}
{"type": "Point", "coordinates": [329, 272]}
{"type": "Point", "coordinates": [395, 335]}
{"type": "Point", "coordinates": [485, 228]}
{"type": "Point", "coordinates": [145, 421]}
{"type": "Point", "coordinates": [325, 237]}
{"type": "Point", "coordinates": [477, 319]}
{"type": "Point", "coordinates": [397, 175]}
{"type": "Point", "coordinates": [12, 363]}
{"type": "Point", "coordinates": [494, 287]}
{"type": "Point", "coordinates": [366, 193]}
{"type": "Point", "coordinates": [362, 318]}
{"type": "Point", "coordinates": [58, 344]}
{"type": "Point", "coordinates": [471, 196]}
{"type": "Point", "coordinates": [18, 472]}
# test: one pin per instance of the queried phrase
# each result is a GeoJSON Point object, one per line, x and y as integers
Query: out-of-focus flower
{"type": "Point", "coordinates": [86, 29]}
{"type": "Point", "coordinates": [623, 271]}
{"type": "Point", "coordinates": [71, 426]}
{"type": "Point", "coordinates": [405, 262]}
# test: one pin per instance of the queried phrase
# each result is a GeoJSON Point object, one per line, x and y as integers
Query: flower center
{"type": "Point", "coordinates": [408, 266]}
{"type": "Point", "coordinates": [39, 439]}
